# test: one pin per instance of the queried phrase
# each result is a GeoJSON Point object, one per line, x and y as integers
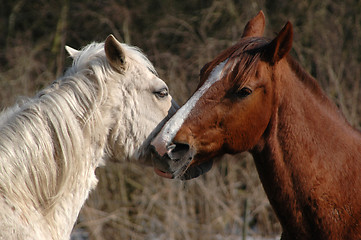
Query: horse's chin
{"type": "Point", "coordinates": [185, 172]}
{"type": "Point", "coordinates": [144, 158]}
{"type": "Point", "coordinates": [195, 171]}
{"type": "Point", "coordinates": [180, 164]}
{"type": "Point", "coordinates": [146, 162]}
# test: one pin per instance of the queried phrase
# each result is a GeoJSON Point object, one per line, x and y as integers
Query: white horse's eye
{"type": "Point", "coordinates": [161, 93]}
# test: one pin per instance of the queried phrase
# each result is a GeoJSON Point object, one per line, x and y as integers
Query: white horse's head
{"type": "Point", "coordinates": [108, 105]}
{"type": "Point", "coordinates": [135, 101]}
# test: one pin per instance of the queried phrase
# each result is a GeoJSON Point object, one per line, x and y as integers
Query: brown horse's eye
{"type": "Point", "coordinates": [244, 92]}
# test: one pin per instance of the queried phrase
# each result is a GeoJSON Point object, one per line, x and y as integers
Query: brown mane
{"type": "Point", "coordinates": [311, 84]}
{"type": "Point", "coordinates": [243, 59]}
{"type": "Point", "coordinates": [305, 77]}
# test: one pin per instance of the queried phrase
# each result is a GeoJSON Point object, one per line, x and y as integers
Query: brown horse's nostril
{"type": "Point", "coordinates": [177, 151]}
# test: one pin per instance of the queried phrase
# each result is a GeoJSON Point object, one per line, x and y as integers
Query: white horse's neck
{"type": "Point", "coordinates": [66, 210]}
{"type": "Point", "coordinates": [49, 150]}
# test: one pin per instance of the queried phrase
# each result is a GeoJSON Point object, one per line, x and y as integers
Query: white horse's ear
{"type": "Point", "coordinates": [72, 52]}
{"type": "Point", "coordinates": [114, 53]}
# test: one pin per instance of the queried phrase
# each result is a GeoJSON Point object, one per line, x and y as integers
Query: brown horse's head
{"type": "Point", "coordinates": [231, 108]}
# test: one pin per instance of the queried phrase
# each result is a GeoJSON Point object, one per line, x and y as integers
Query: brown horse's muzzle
{"type": "Point", "coordinates": [176, 161]}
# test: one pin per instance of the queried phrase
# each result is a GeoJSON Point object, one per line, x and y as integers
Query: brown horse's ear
{"type": "Point", "coordinates": [281, 45]}
{"type": "Point", "coordinates": [255, 26]}
{"type": "Point", "coordinates": [114, 53]}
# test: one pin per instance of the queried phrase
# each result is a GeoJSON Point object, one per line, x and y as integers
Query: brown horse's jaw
{"type": "Point", "coordinates": [196, 170]}
{"type": "Point", "coordinates": [184, 172]}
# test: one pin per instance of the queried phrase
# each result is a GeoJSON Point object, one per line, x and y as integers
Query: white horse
{"type": "Point", "coordinates": [107, 105]}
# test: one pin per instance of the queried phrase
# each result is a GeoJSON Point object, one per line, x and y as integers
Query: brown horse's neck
{"type": "Point", "coordinates": [309, 160]}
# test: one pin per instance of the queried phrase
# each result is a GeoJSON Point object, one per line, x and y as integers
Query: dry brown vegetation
{"type": "Point", "coordinates": [179, 37]}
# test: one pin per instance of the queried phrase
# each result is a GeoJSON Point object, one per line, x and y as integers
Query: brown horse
{"type": "Point", "coordinates": [254, 97]}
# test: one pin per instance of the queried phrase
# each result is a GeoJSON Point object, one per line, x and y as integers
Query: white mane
{"type": "Point", "coordinates": [51, 144]}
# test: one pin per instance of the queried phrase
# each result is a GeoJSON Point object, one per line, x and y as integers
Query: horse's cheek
{"type": "Point", "coordinates": [250, 123]}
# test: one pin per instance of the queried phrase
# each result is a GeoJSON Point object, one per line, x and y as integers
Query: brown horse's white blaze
{"type": "Point", "coordinates": [255, 97]}
{"type": "Point", "coordinates": [173, 126]}
{"type": "Point", "coordinates": [164, 142]}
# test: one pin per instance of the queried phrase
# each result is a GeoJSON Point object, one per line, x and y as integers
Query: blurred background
{"type": "Point", "coordinates": [179, 37]}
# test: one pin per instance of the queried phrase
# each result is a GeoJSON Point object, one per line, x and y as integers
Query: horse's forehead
{"type": "Point", "coordinates": [150, 79]}
{"type": "Point", "coordinates": [233, 54]}
{"type": "Point", "coordinates": [215, 74]}
{"type": "Point", "coordinates": [211, 67]}
{"type": "Point", "coordinates": [241, 67]}
{"type": "Point", "coordinates": [174, 124]}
